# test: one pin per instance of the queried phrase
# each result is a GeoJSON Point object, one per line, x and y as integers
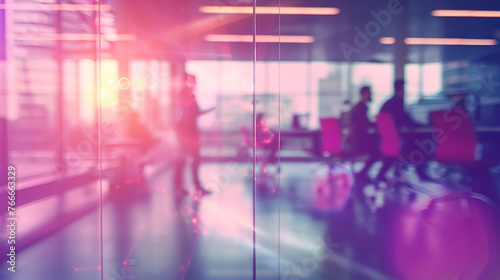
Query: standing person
{"type": "Point", "coordinates": [396, 108]}
{"type": "Point", "coordinates": [188, 135]}
{"type": "Point", "coordinates": [359, 141]}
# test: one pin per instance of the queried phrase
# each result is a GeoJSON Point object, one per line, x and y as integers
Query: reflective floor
{"type": "Point", "coordinates": [301, 233]}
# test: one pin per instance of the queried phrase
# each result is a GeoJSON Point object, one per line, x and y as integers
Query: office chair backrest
{"type": "Point", "coordinates": [456, 136]}
{"type": "Point", "coordinates": [331, 135]}
{"type": "Point", "coordinates": [389, 137]}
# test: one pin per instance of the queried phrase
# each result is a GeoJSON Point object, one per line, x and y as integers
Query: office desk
{"type": "Point", "coordinates": [430, 129]}
{"type": "Point", "coordinates": [310, 140]}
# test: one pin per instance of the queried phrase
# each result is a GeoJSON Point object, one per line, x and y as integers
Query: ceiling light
{"type": "Point", "coordinates": [441, 41]}
{"type": "Point", "coordinates": [465, 13]}
{"type": "Point", "coordinates": [269, 10]}
{"type": "Point", "coordinates": [55, 7]}
{"type": "Point", "coordinates": [71, 37]}
{"type": "Point", "coordinates": [259, 38]}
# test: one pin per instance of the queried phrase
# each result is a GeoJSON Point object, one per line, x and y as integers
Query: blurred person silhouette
{"type": "Point", "coordinates": [396, 108]}
{"type": "Point", "coordinates": [267, 139]}
{"type": "Point", "coordinates": [188, 135]}
{"type": "Point", "coordinates": [359, 141]}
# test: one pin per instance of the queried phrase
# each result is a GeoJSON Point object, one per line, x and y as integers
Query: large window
{"type": "Point", "coordinates": [309, 89]}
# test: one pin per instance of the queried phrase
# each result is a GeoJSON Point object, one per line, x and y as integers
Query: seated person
{"type": "Point", "coordinates": [395, 107]}
{"type": "Point", "coordinates": [266, 138]}
{"type": "Point", "coordinates": [359, 141]}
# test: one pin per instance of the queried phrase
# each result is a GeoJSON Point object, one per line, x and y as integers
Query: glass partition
{"type": "Point", "coordinates": [239, 139]}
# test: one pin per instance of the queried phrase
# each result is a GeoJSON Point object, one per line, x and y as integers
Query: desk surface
{"type": "Point", "coordinates": [424, 129]}
{"type": "Point", "coordinates": [430, 129]}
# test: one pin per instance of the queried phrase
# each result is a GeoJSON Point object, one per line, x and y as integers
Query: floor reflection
{"type": "Point", "coordinates": [152, 233]}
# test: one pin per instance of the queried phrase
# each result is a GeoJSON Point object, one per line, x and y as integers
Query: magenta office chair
{"type": "Point", "coordinates": [456, 147]}
{"type": "Point", "coordinates": [456, 143]}
{"type": "Point", "coordinates": [331, 137]}
{"type": "Point", "coordinates": [331, 141]}
{"type": "Point", "coordinates": [390, 142]}
{"type": "Point", "coordinates": [336, 187]}
{"type": "Point", "coordinates": [390, 147]}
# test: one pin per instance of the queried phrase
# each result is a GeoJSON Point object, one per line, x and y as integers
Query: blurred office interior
{"type": "Point", "coordinates": [94, 96]}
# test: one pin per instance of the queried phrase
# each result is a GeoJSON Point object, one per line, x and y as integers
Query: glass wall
{"type": "Point", "coordinates": [194, 139]}
{"type": "Point", "coordinates": [313, 89]}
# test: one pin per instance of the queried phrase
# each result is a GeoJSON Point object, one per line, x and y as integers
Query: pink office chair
{"type": "Point", "coordinates": [390, 142]}
{"type": "Point", "coordinates": [456, 148]}
{"type": "Point", "coordinates": [332, 137]}
{"type": "Point", "coordinates": [333, 191]}
{"type": "Point", "coordinates": [390, 146]}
